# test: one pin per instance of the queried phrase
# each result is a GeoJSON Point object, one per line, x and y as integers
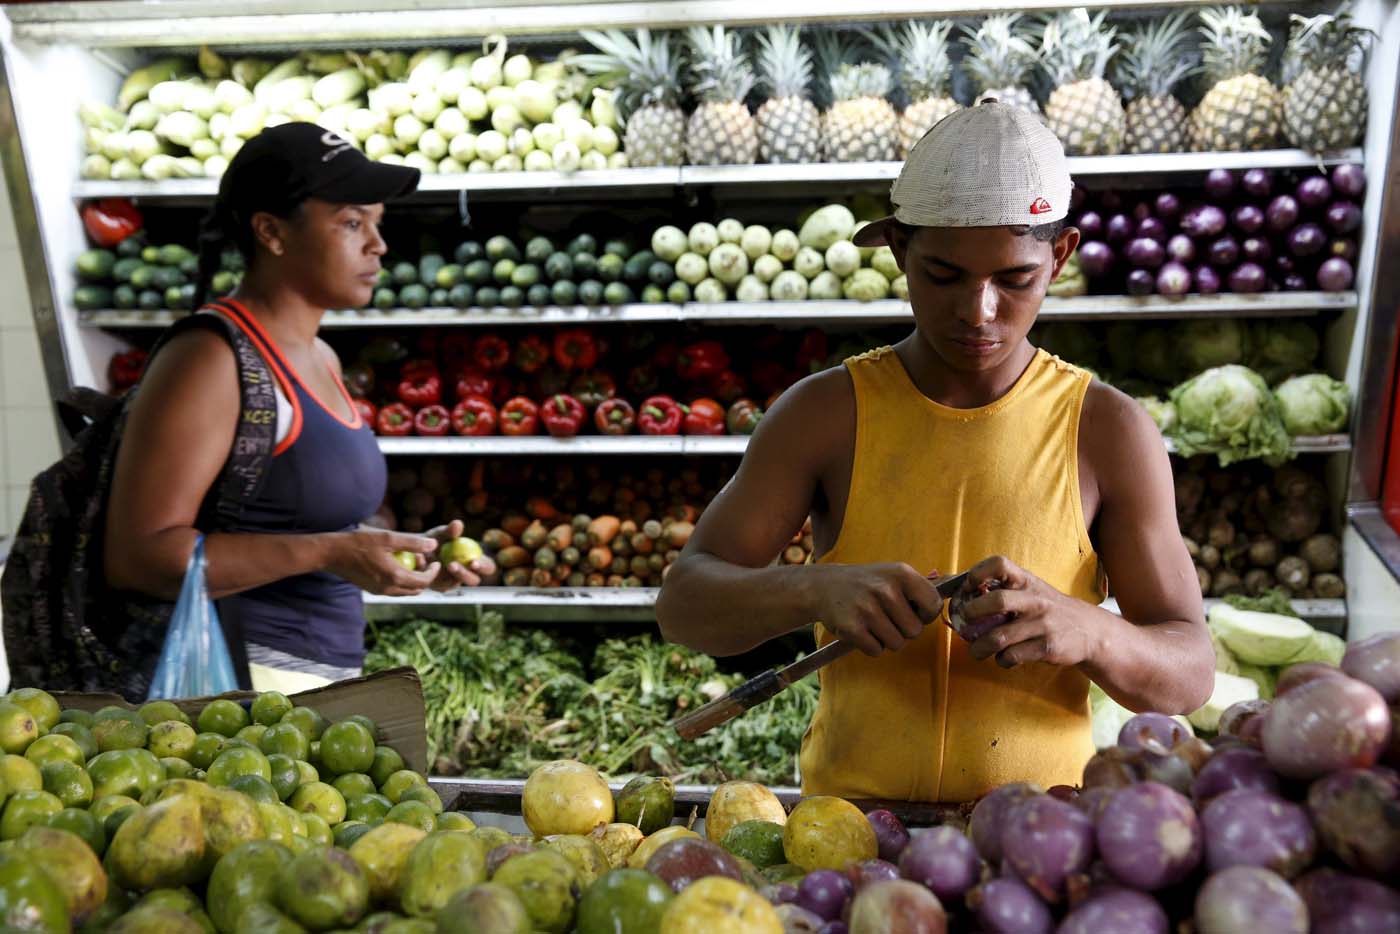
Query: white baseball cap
{"type": "Point", "coordinates": [989, 165]}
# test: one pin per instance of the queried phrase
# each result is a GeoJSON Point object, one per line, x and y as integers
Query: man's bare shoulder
{"type": "Point", "coordinates": [812, 419]}
{"type": "Point", "coordinates": [1115, 431]}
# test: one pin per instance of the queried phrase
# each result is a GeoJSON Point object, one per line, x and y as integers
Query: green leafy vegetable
{"type": "Point", "coordinates": [1229, 411]}
{"type": "Point", "coordinates": [1314, 404]}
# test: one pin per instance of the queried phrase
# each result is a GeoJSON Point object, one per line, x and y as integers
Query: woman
{"type": "Point", "coordinates": [304, 207]}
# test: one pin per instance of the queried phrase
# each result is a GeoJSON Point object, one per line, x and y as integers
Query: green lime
{"type": "Point", "coordinates": [367, 807]}
{"type": "Point", "coordinates": [112, 822]}
{"type": "Point", "coordinates": [455, 820]}
{"type": "Point", "coordinates": [238, 761]}
{"type": "Point", "coordinates": [222, 716]}
{"type": "Point", "coordinates": [103, 807]}
{"type": "Point", "coordinates": [235, 742]}
{"type": "Point", "coordinates": [255, 787]}
{"type": "Point", "coordinates": [347, 746]}
{"type": "Point", "coordinates": [162, 711]}
{"type": "Point", "coordinates": [414, 814]}
{"type": "Point", "coordinates": [130, 772]}
{"type": "Point", "coordinates": [308, 772]}
{"type": "Point", "coordinates": [80, 717]}
{"type": "Point", "coordinates": [18, 728]}
{"type": "Point", "coordinates": [402, 780]}
{"type": "Point", "coordinates": [424, 794]}
{"type": "Point", "coordinates": [80, 735]}
{"type": "Point", "coordinates": [285, 775]}
{"type": "Point", "coordinates": [285, 739]}
{"type": "Point", "coordinates": [758, 841]}
{"type": "Point", "coordinates": [307, 720]}
{"type": "Point", "coordinates": [127, 731]}
{"type": "Point", "coordinates": [317, 830]}
{"type": "Point", "coordinates": [84, 824]}
{"type": "Point", "coordinates": [178, 768]}
{"type": "Point", "coordinates": [67, 782]}
{"type": "Point", "coordinates": [353, 784]}
{"type": "Point", "coordinates": [40, 704]}
{"type": "Point", "coordinates": [320, 799]}
{"type": "Point", "coordinates": [19, 774]}
{"type": "Point", "coordinates": [386, 762]}
{"type": "Point", "coordinates": [270, 707]}
{"type": "Point", "coordinates": [348, 831]}
{"type": "Point", "coordinates": [252, 733]}
{"type": "Point", "coordinates": [29, 899]}
{"type": "Point", "coordinates": [55, 748]}
{"type": "Point", "coordinates": [365, 722]}
{"type": "Point", "coordinates": [207, 747]}
{"type": "Point", "coordinates": [172, 739]}
{"type": "Point", "coordinates": [25, 809]}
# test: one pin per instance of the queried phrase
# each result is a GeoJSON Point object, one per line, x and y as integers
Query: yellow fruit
{"type": "Point", "coordinates": [566, 797]}
{"type": "Point", "coordinates": [716, 905]}
{"type": "Point", "coordinates": [18, 728]}
{"type": "Point", "coordinates": [736, 802]}
{"type": "Point", "coordinates": [639, 857]}
{"type": "Point", "coordinates": [828, 833]}
{"type": "Point", "coordinates": [382, 854]}
{"type": "Point", "coordinates": [618, 842]}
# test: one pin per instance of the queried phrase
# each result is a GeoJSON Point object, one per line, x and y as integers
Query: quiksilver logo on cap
{"type": "Point", "coordinates": [1040, 206]}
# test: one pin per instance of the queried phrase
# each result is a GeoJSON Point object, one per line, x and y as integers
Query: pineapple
{"type": "Point", "coordinates": [1241, 111]}
{"type": "Point", "coordinates": [1155, 59]}
{"type": "Point", "coordinates": [1324, 99]}
{"type": "Point", "coordinates": [1084, 110]}
{"type": "Point", "coordinates": [789, 124]}
{"type": "Point", "coordinates": [860, 125]}
{"type": "Point", "coordinates": [999, 60]}
{"type": "Point", "coordinates": [721, 131]}
{"type": "Point", "coordinates": [921, 49]}
{"type": "Point", "coordinates": [646, 72]}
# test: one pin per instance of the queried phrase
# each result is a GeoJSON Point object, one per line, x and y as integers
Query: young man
{"type": "Point", "coordinates": [961, 447]}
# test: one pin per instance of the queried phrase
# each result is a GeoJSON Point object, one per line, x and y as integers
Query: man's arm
{"type": "Point", "coordinates": [722, 597]}
{"type": "Point", "coordinates": [1158, 654]}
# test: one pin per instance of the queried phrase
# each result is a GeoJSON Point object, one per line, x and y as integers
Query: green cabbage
{"type": "Point", "coordinates": [1315, 404]}
{"type": "Point", "coordinates": [1282, 348]}
{"type": "Point", "coordinates": [1229, 410]}
{"type": "Point", "coordinates": [1208, 342]}
{"type": "Point", "coordinates": [1263, 639]}
{"type": "Point", "coordinates": [1323, 647]}
{"type": "Point", "coordinates": [1162, 412]}
{"type": "Point", "coordinates": [1265, 678]}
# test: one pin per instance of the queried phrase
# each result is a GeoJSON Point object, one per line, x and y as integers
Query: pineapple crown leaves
{"type": "Point", "coordinates": [1326, 41]}
{"type": "Point", "coordinates": [784, 63]}
{"type": "Point", "coordinates": [1075, 46]}
{"type": "Point", "coordinates": [920, 51]}
{"type": "Point", "coordinates": [1237, 42]}
{"type": "Point", "coordinates": [999, 55]}
{"type": "Point", "coordinates": [1157, 57]}
{"type": "Point", "coordinates": [849, 77]}
{"type": "Point", "coordinates": [719, 64]}
{"type": "Point", "coordinates": [644, 70]}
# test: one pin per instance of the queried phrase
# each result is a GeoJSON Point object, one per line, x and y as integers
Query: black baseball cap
{"type": "Point", "coordinates": [284, 165]}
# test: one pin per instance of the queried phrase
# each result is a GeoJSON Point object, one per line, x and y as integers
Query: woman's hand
{"type": "Point", "coordinates": [365, 557]}
{"type": "Point", "coordinates": [454, 574]}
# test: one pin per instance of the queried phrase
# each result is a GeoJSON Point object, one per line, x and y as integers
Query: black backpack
{"type": "Point", "coordinates": [64, 628]}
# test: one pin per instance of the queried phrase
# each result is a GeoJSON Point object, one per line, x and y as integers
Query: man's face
{"type": "Point", "coordinates": [976, 291]}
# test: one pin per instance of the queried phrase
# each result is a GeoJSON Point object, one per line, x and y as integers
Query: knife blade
{"type": "Point", "coordinates": [775, 680]}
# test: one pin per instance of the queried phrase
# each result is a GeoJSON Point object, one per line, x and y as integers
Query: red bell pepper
{"type": "Point", "coordinates": [109, 221]}
{"type": "Point", "coordinates": [575, 349]}
{"type": "Point", "coordinates": [593, 388]}
{"type": "Point", "coordinates": [359, 380]}
{"type": "Point", "coordinates": [519, 416]}
{"type": "Point", "coordinates": [456, 348]}
{"type": "Point", "coordinates": [475, 417]}
{"type": "Point", "coordinates": [704, 417]}
{"type": "Point", "coordinates": [491, 353]}
{"type": "Point", "coordinates": [702, 360]}
{"type": "Point", "coordinates": [743, 417]}
{"type": "Point", "coordinates": [615, 417]}
{"type": "Point", "coordinates": [474, 382]}
{"type": "Point", "coordinates": [433, 421]}
{"type": "Point", "coordinates": [395, 420]}
{"type": "Point", "coordinates": [420, 388]}
{"type": "Point", "coordinates": [812, 351]}
{"type": "Point", "coordinates": [531, 354]}
{"type": "Point", "coordinates": [728, 386]}
{"type": "Point", "coordinates": [367, 411]}
{"type": "Point", "coordinates": [660, 415]}
{"type": "Point", "coordinates": [563, 415]}
{"type": "Point", "coordinates": [417, 367]}
{"type": "Point", "coordinates": [124, 369]}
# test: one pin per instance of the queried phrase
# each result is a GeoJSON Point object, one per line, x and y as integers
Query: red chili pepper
{"type": "Point", "coordinates": [702, 360]}
{"type": "Point", "coordinates": [727, 386]}
{"type": "Point", "coordinates": [642, 380]}
{"type": "Point", "coordinates": [433, 421]}
{"type": "Point", "coordinates": [109, 221]}
{"type": "Point", "coordinates": [743, 417]}
{"type": "Point", "coordinates": [359, 379]}
{"type": "Point", "coordinates": [395, 420]}
{"type": "Point", "coordinates": [519, 416]}
{"type": "Point", "coordinates": [593, 388]}
{"type": "Point", "coordinates": [474, 382]}
{"type": "Point", "coordinates": [563, 415]}
{"type": "Point", "coordinates": [704, 417]}
{"type": "Point", "coordinates": [660, 415]}
{"type": "Point", "coordinates": [420, 388]}
{"type": "Point", "coordinates": [491, 353]}
{"type": "Point", "coordinates": [812, 351]}
{"type": "Point", "coordinates": [124, 369]}
{"type": "Point", "coordinates": [575, 349]}
{"type": "Point", "coordinates": [615, 417]}
{"type": "Point", "coordinates": [456, 349]}
{"type": "Point", "coordinates": [367, 410]}
{"type": "Point", "coordinates": [531, 354]}
{"type": "Point", "coordinates": [474, 416]}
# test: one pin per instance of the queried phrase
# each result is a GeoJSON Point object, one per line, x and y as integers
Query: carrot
{"type": "Point", "coordinates": [602, 530]}
{"type": "Point", "coordinates": [600, 558]}
{"type": "Point", "coordinates": [614, 580]}
{"type": "Point", "coordinates": [620, 565]}
{"type": "Point", "coordinates": [534, 535]}
{"type": "Point", "coordinates": [560, 537]}
{"type": "Point", "coordinates": [680, 534]}
{"type": "Point", "coordinates": [627, 527]}
{"type": "Point", "coordinates": [540, 508]}
{"type": "Point", "coordinates": [515, 523]}
{"type": "Point", "coordinates": [642, 544]}
{"type": "Point", "coordinates": [640, 567]}
{"type": "Point", "coordinates": [513, 557]}
{"type": "Point", "coordinates": [595, 580]}
{"type": "Point", "coordinates": [539, 577]}
{"type": "Point", "coordinates": [496, 540]}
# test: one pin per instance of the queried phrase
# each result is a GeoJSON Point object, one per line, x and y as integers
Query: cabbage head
{"type": "Point", "coordinates": [1314, 404]}
{"type": "Point", "coordinates": [1278, 349]}
{"type": "Point", "coordinates": [1162, 412]}
{"type": "Point", "coordinates": [1229, 411]}
{"type": "Point", "coordinates": [1208, 342]}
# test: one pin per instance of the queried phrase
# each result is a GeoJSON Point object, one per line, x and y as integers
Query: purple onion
{"type": "Point", "coordinates": [1146, 253]}
{"type": "Point", "coordinates": [1343, 247]}
{"type": "Point", "coordinates": [1295, 282]}
{"type": "Point", "coordinates": [1119, 910]}
{"type": "Point", "coordinates": [1248, 827]}
{"type": "Point", "coordinates": [1339, 903]}
{"type": "Point", "coordinates": [1180, 248]}
{"type": "Point", "coordinates": [1153, 229]}
{"type": "Point", "coordinates": [1173, 279]}
{"type": "Point", "coordinates": [824, 892]}
{"type": "Point", "coordinates": [1314, 191]}
{"type": "Point", "coordinates": [1207, 280]}
{"type": "Point", "coordinates": [1220, 183]}
{"type": "Point", "coordinates": [1140, 282]}
{"type": "Point", "coordinates": [1167, 206]}
{"type": "Point", "coordinates": [1248, 898]}
{"type": "Point", "coordinates": [1343, 217]}
{"type": "Point", "coordinates": [871, 871]}
{"type": "Point", "coordinates": [1090, 225]}
{"type": "Point", "coordinates": [1335, 275]}
{"type": "Point", "coordinates": [1375, 660]}
{"type": "Point", "coordinates": [1247, 219]}
{"type": "Point", "coordinates": [1118, 229]}
{"type": "Point", "coordinates": [889, 833]}
{"type": "Point", "coordinates": [1349, 180]}
{"type": "Point", "coordinates": [1204, 221]}
{"type": "Point", "coordinates": [1223, 252]}
{"type": "Point", "coordinates": [1248, 277]}
{"type": "Point", "coordinates": [1096, 258]}
{"type": "Point", "coordinates": [942, 860]}
{"type": "Point", "coordinates": [1357, 815]}
{"type": "Point", "coordinates": [990, 814]}
{"type": "Point", "coordinates": [1046, 841]}
{"type": "Point", "coordinates": [1155, 732]}
{"type": "Point", "coordinates": [1009, 906]}
{"type": "Point", "coordinates": [1239, 767]}
{"type": "Point", "coordinates": [1306, 240]}
{"type": "Point", "coordinates": [1282, 213]}
{"type": "Point", "coordinates": [1257, 182]}
{"type": "Point", "coordinates": [1148, 836]}
{"type": "Point", "coordinates": [1325, 726]}
{"type": "Point", "coordinates": [1256, 250]}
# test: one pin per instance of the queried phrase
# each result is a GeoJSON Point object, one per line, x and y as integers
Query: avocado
{"type": "Point", "coordinates": [124, 267]}
{"type": "Point", "coordinates": [92, 297]}
{"type": "Point", "coordinates": [558, 266]}
{"type": "Point", "coordinates": [124, 297]}
{"type": "Point", "coordinates": [131, 247]}
{"type": "Point", "coordinates": [478, 271]}
{"type": "Point", "coordinates": [150, 255]}
{"type": "Point", "coordinates": [143, 277]}
{"type": "Point", "coordinates": [172, 297]}
{"type": "Point", "coordinates": [564, 293]}
{"type": "Point", "coordinates": [634, 271]}
{"type": "Point", "coordinates": [413, 296]}
{"type": "Point", "coordinates": [166, 276]}
{"type": "Point", "coordinates": [173, 254]}
{"type": "Point", "coordinates": [512, 296]}
{"type": "Point", "coordinates": [610, 267]}
{"type": "Point", "coordinates": [428, 266]}
{"type": "Point", "coordinates": [590, 292]}
{"type": "Point", "coordinates": [405, 274]}
{"type": "Point", "coordinates": [499, 247]}
{"type": "Point", "coordinates": [448, 276]}
{"type": "Point", "coordinates": [661, 273]}
{"type": "Point", "coordinates": [525, 275]}
{"type": "Point", "coordinates": [189, 266]}
{"type": "Point", "coordinates": [488, 296]}
{"type": "Point", "coordinates": [538, 249]}
{"type": "Point", "coordinates": [678, 292]}
{"type": "Point", "coordinates": [461, 295]}
{"type": "Point", "coordinates": [537, 295]}
{"type": "Point", "coordinates": [620, 248]}
{"type": "Point", "coordinates": [585, 265]}
{"type": "Point", "coordinates": [583, 243]}
{"type": "Point", "coordinates": [467, 251]}
{"type": "Point", "coordinates": [96, 265]}
{"type": "Point", "coordinates": [223, 282]}
{"type": "Point", "coordinates": [503, 270]}
{"type": "Point", "coordinates": [653, 294]}
{"type": "Point", "coordinates": [618, 293]}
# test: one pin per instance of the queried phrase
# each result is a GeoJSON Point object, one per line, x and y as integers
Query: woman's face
{"type": "Point", "coordinates": [331, 252]}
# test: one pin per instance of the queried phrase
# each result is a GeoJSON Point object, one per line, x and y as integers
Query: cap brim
{"type": "Point", "coordinates": [874, 233]}
{"type": "Point", "coordinates": [371, 183]}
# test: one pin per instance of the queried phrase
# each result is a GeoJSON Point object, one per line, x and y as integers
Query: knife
{"type": "Point", "coordinates": [775, 680]}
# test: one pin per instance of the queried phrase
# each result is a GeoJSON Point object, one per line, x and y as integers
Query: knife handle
{"type": "Point", "coordinates": [749, 694]}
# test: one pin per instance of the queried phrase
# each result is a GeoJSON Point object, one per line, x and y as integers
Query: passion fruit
{"type": "Point", "coordinates": [566, 797]}
{"type": "Point", "coordinates": [824, 832]}
{"type": "Point", "coordinates": [733, 803]}
{"type": "Point", "coordinates": [717, 905]}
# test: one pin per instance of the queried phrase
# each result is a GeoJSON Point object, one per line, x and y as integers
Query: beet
{"type": "Point", "coordinates": [890, 834]}
{"type": "Point", "coordinates": [1046, 841]}
{"type": "Point", "coordinates": [1232, 769]}
{"type": "Point", "coordinates": [1009, 906]}
{"type": "Point", "coordinates": [1153, 731]}
{"type": "Point", "coordinates": [1375, 660]}
{"type": "Point", "coordinates": [943, 860]}
{"type": "Point", "coordinates": [1357, 815]}
{"type": "Point", "coordinates": [1121, 911]}
{"type": "Point", "coordinates": [990, 813]}
{"type": "Point", "coordinates": [1148, 836]}
{"type": "Point", "coordinates": [1092, 800]}
{"type": "Point", "coordinates": [1295, 676]}
{"type": "Point", "coordinates": [824, 893]}
{"type": "Point", "coordinates": [1324, 726]}
{"type": "Point", "coordinates": [1248, 827]}
{"type": "Point", "coordinates": [1248, 898]}
{"type": "Point", "coordinates": [1339, 903]}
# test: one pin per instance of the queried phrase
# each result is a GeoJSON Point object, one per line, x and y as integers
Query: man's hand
{"type": "Point", "coordinates": [877, 608]}
{"type": "Point", "coordinates": [1046, 625]}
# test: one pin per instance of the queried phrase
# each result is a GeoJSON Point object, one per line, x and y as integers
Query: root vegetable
{"type": "Point", "coordinates": [1293, 573]}
{"type": "Point", "coordinates": [1325, 725]}
{"type": "Point", "coordinates": [1248, 898]}
{"type": "Point", "coordinates": [1264, 552]}
{"type": "Point", "coordinates": [1192, 548]}
{"type": "Point", "coordinates": [1337, 901]}
{"type": "Point", "coordinates": [1323, 552]}
{"type": "Point", "coordinates": [990, 814]}
{"type": "Point", "coordinates": [1008, 906]}
{"type": "Point", "coordinates": [1210, 557]}
{"type": "Point", "coordinates": [1249, 827]}
{"type": "Point", "coordinates": [1152, 731]}
{"type": "Point", "coordinates": [1046, 841]}
{"type": "Point", "coordinates": [1376, 661]}
{"type": "Point", "coordinates": [1222, 533]}
{"type": "Point", "coordinates": [1357, 815]}
{"type": "Point", "coordinates": [1148, 836]}
{"type": "Point", "coordinates": [1203, 578]}
{"type": "Point", "coordinates": [1226, 582]}
{"type": "Point", "coordinates": [1116, 909]}
{"type": "Point", "coordinates": [1239, 767]}
{"type": "Point", "coordinates": [1258, 581]}
{"type": "Point", "coordinates": [1329, 587]}
{"type": "Point", "coordinates": [943, 860]}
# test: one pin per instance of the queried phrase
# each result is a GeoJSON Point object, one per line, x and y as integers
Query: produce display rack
{"type": "Point", "coordinates": [93, 44]}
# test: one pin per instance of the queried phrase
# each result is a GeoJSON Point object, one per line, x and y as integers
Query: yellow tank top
{"type": "Point", "coordinates": [944, 488]}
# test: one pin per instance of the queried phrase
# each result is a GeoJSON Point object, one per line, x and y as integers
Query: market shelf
{"type": "Point", "coordinates": [1083, 308]}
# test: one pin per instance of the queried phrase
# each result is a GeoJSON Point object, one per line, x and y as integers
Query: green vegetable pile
{"type": "Point", "coordinates": [503, 701]}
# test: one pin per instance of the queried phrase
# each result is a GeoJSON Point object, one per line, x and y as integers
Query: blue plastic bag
{"type": "Point", "coordinates": [195, 660]}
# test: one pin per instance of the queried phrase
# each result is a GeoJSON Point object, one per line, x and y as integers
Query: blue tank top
{"type": "Point", "coordinates": [326, 475]}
